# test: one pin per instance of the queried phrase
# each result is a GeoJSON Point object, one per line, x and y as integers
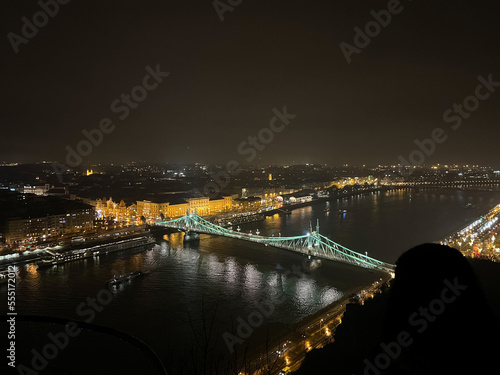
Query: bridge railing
{"type": "Point", "coordinates": [354, 254]}
{"type": "Point", "coordinates": [314, 243]}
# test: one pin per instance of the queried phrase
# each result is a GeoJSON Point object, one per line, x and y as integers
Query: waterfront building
{"type": "Point", "coordinates": [299, 197]}
{"type": "Point", "coordinates": [35, 226]}
{"type": "Point", "coordinates": [222, 204]}
{"type": "Point", "coordinates": [199, 205]}
{"type": "Point", "coordinates": [109, 209]}
{"type": "Point", "coordinates": [180, 206]}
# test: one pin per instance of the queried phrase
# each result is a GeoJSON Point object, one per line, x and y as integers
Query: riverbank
{"type": "Point", "coordinates": [241, 274]}
{"type": "Point", "coordinates": [38, 255]}
{"type": "Point", "coordinates": [290, 346]}
{"type": "Point", "coordinates": [287, 208]}
{"type": "Point", "coordinates": [480, 238]}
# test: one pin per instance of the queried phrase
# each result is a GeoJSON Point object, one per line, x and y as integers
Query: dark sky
{"type": "Point", "coordinates": [226, 77]}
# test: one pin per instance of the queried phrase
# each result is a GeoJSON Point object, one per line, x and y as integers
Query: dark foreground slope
{"type": "Point", "coordinates": [440, 316]}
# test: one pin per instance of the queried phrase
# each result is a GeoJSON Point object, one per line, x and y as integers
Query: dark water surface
{"type": "Point", "coordinates": [162, 308]}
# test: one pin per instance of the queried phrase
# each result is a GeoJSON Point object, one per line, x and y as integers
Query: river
{"type": "Point", "coordinates": [244, 280]}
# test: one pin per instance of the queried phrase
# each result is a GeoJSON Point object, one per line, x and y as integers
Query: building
{"type": "Point", "coordinates": [42, 190]}
{"type": "Point", "coordinates": [298, 197]}
{"type": "Point", "coordinates": [199, 205]}
{"type": "Point", "coordinates": [180, 206]}
{"type": "Point", "coordinates": [248, 204]}
{"type": "Point", "coordinates": [31, 189]}
{"type": "Point", "coordinates": [109, 209]}
{"type": "Point", "coordinates": [265, 192]}
{"type": "Point", "coordinates": [30, 219]}
{"type": "Point", "coordinates": [36, 189]}
{"type": "Point", "coordinates": [222, 204]}
{"type": "Point", "coordinates": [305, 199]}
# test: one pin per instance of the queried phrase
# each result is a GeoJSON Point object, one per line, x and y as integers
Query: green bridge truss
{"type": "Point", "coordinates": [313, 243]}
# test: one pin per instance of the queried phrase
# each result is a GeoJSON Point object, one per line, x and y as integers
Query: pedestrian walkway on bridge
{"type": "Point", "coordinates": [311, 244]}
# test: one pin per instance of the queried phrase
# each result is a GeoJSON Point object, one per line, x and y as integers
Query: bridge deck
{"type": "Point", "coordinates": [311, 244]}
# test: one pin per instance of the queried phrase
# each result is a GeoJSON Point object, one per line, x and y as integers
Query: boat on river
{"type": "Point", "coordinates": [60, 258]}
{"type": "Point", "coordinates": [116, 280]}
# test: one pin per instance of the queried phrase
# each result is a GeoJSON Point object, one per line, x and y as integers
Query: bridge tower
{"type": "Point", "coordinates": [313, 243]}
{"type": "Point", "coordinates": [310, 235]}
{"type": "Point", "coordinates": [313, 247]}
{"type": "Point", "coordinates": [313, 239]}
{"type": "Point", "coordinates": [190, 235]}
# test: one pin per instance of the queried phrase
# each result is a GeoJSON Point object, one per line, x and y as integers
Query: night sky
{"type": "Point", "coordinates": [227, 76]}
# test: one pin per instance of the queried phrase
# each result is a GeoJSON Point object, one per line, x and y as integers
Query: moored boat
{"type": "Point", "coordinates": [124, 278]}
{"type": "Point", "coordinates": [58, 258]}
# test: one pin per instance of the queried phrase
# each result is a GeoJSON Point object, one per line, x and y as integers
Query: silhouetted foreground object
{"type": "Point", "coordinates": [56, 346]}
{"type": "Point", "coordinates": [434, 320]}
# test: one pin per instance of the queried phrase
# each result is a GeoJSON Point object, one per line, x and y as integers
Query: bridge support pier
{"type": "Point", "coordinates": [190, 236]}
{"type": "Point", "coordinates": [313, 244]}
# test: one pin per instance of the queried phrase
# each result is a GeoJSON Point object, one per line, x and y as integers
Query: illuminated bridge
{"type": "Point", "coordinates": [313, 243]}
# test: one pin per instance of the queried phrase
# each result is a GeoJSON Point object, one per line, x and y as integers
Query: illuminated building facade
{"type": "Point", "coordinates": [36, 230]}
{"type": "Point", "coordinates": [151, 210]}
{"type": "Point", "coordinates": [106, 209]}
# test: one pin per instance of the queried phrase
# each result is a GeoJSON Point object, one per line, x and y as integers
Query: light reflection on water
{"type": "Point", "coordinates": [232, 271]}
{"type": "Point", "coordinates": [240, 275]}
